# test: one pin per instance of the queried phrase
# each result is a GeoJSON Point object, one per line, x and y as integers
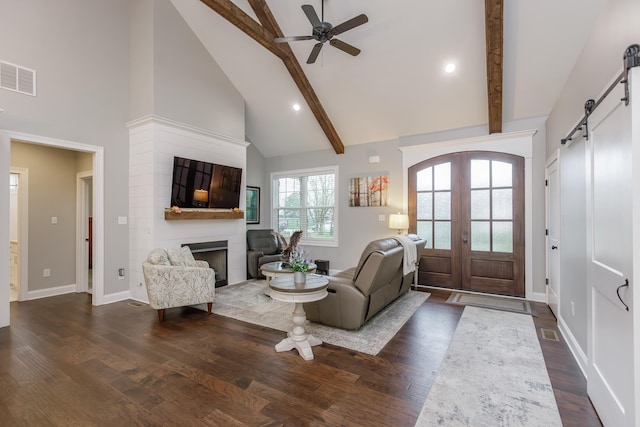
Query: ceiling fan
{"type": "Point", "coordinates": [324, 31]}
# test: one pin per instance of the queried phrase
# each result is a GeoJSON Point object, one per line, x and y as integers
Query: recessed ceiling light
{"type": "Point", "coordinates": [296, 107]}
{"type": "Point", "coordinates": [450, 68]}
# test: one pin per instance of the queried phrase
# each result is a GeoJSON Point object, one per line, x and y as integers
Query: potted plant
{"type": "Point", "coordinates": [299, 264]}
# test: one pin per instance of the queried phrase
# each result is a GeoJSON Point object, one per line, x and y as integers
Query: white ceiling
{"type": "Point", "coordinates": [397, 85]}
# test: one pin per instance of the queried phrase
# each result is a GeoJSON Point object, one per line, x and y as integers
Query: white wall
{"type": "Point", "coordinates": [154, 143]}
{"type": "Point", "coordinates": [80, 52]}
{"type": "Point", "coordinates": [91, 58]}
{"type": "Point", "coordinates": [599, 63]}
{"type": "Point", "coordinates": [188, 85]}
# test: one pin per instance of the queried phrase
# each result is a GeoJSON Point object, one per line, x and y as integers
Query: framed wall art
{"type": "Point", "coordinates": [368, 191]}
{"type": "Point", "coordinates": [252, 213]}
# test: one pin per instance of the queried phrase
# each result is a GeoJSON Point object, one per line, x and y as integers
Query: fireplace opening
{"type": "Point", "coordinates": [215, 253]}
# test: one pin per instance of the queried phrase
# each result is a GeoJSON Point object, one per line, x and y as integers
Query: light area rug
{"type": "Point", "coordinates": [493, 375]}
{"type": "Point", "coordinates": [515, 305]}
{"type": "Point", "coordinates": [247, 302]}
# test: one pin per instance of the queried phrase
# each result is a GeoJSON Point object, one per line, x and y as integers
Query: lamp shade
{"type": "Point", "coordinates": [201, 196]}
{"type": "Point", "coordinates": [399, 221]}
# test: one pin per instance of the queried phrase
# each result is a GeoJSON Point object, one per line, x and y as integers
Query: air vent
{"type": "Point", "coordinates": [549, 334]}
{"type": "Point", "coordinates": [18, 79]}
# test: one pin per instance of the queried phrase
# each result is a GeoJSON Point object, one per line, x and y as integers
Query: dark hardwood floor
{"type": "Point", "coordinates": [65, 362]}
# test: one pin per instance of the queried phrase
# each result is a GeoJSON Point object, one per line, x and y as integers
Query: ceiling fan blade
{"type": "Point", "coordinates": [314, 53]}
{"type": "Point", "coordinates": [312, 15]}
{"type": "Point", "coordinates": [291, 39]}
{"type": "Point", "coordinates": [347, 25]}
{"type": "Point", "coordinates": [345, 47]}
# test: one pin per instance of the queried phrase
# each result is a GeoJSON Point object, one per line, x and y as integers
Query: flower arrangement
{"type": "Point", "coordinates": [298, 260]}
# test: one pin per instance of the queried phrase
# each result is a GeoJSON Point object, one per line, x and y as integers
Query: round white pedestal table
{"type": "Point", "coordinates": [285, 289]}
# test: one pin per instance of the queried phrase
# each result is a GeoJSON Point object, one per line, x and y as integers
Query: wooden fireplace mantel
{"type": "Point", "coordinates": [170, 215]}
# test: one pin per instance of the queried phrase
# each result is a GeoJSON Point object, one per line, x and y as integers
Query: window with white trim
{"type": "Point", "coordinates": [306, 200]}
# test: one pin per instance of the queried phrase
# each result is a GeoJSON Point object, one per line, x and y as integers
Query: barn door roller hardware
{"type": "Point", "coordinates": [631, 58]}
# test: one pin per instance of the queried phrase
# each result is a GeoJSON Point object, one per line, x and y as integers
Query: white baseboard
{"type": "Point", "coordinates": [537, 297]}
{"type": "Point", "coordinates": [51, 292]}
{"type": "Point", "coordinates": [118, 296]}
{"type": "Point", "coordinates": [577, 352]}
{"type": "Point", "coordinates": [141, 300]}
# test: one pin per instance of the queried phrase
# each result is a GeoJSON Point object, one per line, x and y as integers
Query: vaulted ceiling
{"type": "Point", "coordinates": [397, 86]}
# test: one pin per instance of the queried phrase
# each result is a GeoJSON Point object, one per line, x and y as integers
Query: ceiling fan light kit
{"type": "Point", "coordinates": [324, 31]}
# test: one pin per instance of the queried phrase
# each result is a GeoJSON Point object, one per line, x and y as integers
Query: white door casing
{"type": "Point", "coordinates": [23, 230]}
{"type": "Point", "coordinates": [553, 233]}
{"type": "Point", "coordinates": [610, 247]}
{"type": "Point", "coordinates": [83, 199]}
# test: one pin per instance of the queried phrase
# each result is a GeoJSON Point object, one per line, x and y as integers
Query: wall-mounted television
{"type": "Point", "coordinates": [198, 184]}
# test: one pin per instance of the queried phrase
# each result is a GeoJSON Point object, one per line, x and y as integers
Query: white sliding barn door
{"type": "Point", "coordinates": [610, 248]}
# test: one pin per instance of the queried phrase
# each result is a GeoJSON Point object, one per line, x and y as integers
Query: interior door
{"type": "Point", "coordinates": [469, 208]}
{"type": "Point", "coordinates": [553, 235]}
{"type": "Point", "coordinates": [610, 257]}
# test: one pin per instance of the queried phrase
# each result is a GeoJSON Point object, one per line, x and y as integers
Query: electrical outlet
{"type": "Point", "coordinates": [54, 220]}
{"type": "Point", "coordinates": [140, 284]}
{"type": "Point", "coordinates": [46, 272]}
{"type": "Point", "coordinates": [381, 217]}
{"type": "Point", "coordinates": [121, 273]}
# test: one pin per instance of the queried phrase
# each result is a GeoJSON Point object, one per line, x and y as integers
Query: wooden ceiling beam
{"type": "Point", "coordinates": [246, 24]}
{"type": "Point", "coordinates": [264, 34]}
{"type": "Point", "coordinates": [269, 22]}
{"type": "Point", "coordinates": [494, 19]}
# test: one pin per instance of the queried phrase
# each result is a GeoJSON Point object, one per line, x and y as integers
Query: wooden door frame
{"type": "Point", "coordinates": [519, 143]}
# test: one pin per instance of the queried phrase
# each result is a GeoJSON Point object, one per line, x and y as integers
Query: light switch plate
{"type": "Point", "coordinates": [122, 220]}
{"type": "Point", "coordinates": [54, 220]}
{"type": "Point", "coordinates": [381, 217]}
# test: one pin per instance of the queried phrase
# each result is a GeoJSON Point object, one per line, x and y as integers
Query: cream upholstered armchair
{"type": "Point", "coordinates": [175, 279]}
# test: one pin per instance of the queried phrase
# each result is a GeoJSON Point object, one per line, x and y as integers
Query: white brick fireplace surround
{"type": "Point", "coordinates": [153, 143]}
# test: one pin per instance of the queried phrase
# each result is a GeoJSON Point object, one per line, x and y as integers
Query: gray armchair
{"type": "Point", "coordinates": [262, 247]}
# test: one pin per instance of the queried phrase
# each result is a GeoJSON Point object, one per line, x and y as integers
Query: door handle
{"type": "Point", "coordinates": [554, 247]}
{"type": "Point", "coordinates": [626, 283]}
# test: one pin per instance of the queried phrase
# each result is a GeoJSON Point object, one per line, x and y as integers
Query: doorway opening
{"type": "Point", "coordinates": [96, 163]}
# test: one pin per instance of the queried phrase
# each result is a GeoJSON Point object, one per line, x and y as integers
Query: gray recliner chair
{"type": "Point", "coordinates": [356, 295]}
{"type": "Point", "coordinates": [262, 247]}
